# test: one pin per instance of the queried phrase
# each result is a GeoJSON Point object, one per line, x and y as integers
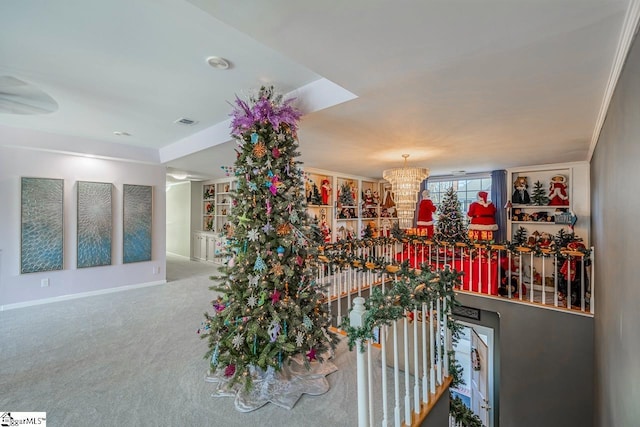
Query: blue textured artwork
{"type": "Point", "coordinates": [42, 239]}
{"type": "Point", "coordinates": [94, 224]}
{"type": "Point", "coordinates": [138, 210]}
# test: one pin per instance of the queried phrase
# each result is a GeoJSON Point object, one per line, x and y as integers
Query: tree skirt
{"type": "Point", "coordinates": [282, 388]}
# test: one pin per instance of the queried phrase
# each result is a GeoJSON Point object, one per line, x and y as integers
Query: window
{"type": "Point", "coordinates": [466, 187]}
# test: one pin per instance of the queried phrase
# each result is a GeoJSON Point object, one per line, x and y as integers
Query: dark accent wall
{"type": "Point", "coordinates": [545, 364]}
{"type": "Point", "coordinates": [615, 232]}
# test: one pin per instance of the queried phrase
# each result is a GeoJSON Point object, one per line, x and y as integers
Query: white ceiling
{"type": "Point", "coordinates": [468, 85]}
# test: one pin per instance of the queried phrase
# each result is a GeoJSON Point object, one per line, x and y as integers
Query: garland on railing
{"type": "Point", "coordinates": [409, 291]}
{"type": "Point", "coordinates": [558, 246]}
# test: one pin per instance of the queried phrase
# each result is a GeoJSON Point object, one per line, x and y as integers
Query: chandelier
{"type": "Point", "coordinates": [405, 184]}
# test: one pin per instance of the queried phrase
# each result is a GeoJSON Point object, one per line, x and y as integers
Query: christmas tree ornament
{"type": "Point", "coordinates": [253, 235]}
{"type": "Point", "coordinates": [267, 228]}
{"type": "Point", "coordinates": [275, 296]}
{"type": "Point", "coordinates": [253, 280]}
{"type": "Point", "coordinates": [275, 152]}
{"type": "Point", "coordinates": [252, 301]}
{"type": "Point", "coordinates": [280, 251]}
{"type": "Point", "coordinates": [259, 264]}
{"type": "Point", "coordinates": [254, 138]}
{"type": "Point", "coordinates": [274, 330]}
{"type": "Point", "coordinates": [237, 341]}
{"type": "Point", "coordinates": [277, 269]}
{"type": "Point", "coordinates": [299, 339]}
{"type": "Point", "coordinates": [307, 322]}
{"type": "Point", "coordinates": [294, 218]}
{"type": "Point", "coordinates": [262, 300]}
{"type": "Point", "coordinates": [215, 355]}
{"type": "Point", "coordinates": [311, 355]}
{"type": "Point", "coordinates": [284, 229]}
{"type": "Point", "coordinates": [229, 370]}
{"type": "Point", "coordinates": [259, 150]}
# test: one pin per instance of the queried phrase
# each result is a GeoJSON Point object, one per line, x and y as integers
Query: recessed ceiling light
{"type": "Point", "coordinates": [218, 62]}
{"type": "Point", "coordinates": [121, 133]}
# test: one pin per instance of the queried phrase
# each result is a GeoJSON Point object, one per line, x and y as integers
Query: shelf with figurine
{"type": "Point", "coordinates": [318, 189]}
{"type": "Point", "coordinates": [549, 189]}
{"type": "Point", "coordinates": [548, 197]}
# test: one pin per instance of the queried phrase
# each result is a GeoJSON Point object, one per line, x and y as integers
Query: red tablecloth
{"type": "Point", "coordinates": [477, 274]}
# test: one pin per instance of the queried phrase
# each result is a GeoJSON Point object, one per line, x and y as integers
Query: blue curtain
{"type": "Point", "coordinates": [499, 198]}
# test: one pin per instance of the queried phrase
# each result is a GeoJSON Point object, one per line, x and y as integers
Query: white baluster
{"type": "Point", "coordinates": [432, 351]}
{"type": "Point", "coordinates": [520, 276]}
{"type": "Point", "coordinates": [544, 291]}
{"type": "Point", "coordinates": [438, 342]}
{"type": "Point", "coordinates": [407, 392]}
{"type": "Point", "coordinates": [383, 343]}
{"type": "Point", "coordinates": [396, 375]}
{"type": "Point", "coordinates": [370, 382]}
{"type": "Point", "coordinates": [532, 278]}
{"type": "Point", "coordinates": [425, 394]}
{"type": "Point", "coordinates": [356, 320]}
{"type": "Point", "coordinates": [339, 274]}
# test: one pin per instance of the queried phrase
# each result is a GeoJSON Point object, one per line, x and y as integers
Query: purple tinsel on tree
{"type": "Point", "coordinates": [264, 109]}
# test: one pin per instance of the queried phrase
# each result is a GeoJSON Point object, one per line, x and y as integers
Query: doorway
{"type": "Point", "coordinates": [474, 351]}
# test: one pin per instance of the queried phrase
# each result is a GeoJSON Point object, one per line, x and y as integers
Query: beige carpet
{"type": "Point", "coordinates": [133, 358]}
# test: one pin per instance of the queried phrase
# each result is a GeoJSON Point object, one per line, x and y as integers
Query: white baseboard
{"type": "Point", "coordinates": [178, 255]}
{"type": "Point", "coordinates": [79, 295]}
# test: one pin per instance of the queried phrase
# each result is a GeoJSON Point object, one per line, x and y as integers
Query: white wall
{"type": "Point", "coordinates": [16, 288]}
{"type": "Point", "coordinates": [179, 219]}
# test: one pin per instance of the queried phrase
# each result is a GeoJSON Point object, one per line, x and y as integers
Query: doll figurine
{"type": "Point", "coordinates": [425, 214]}
{"type": "Point", "coordinates": [558, 191]}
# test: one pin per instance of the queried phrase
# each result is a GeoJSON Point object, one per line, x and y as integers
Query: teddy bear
{"type": "Point", "coordinates": [520, 194]}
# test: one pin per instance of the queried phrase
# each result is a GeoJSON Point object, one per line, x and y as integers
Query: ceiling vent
{"type": "Point", "coordinates": [185, 121]}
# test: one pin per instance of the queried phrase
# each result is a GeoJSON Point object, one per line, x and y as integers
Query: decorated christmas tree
{"type": "Point", "coordinates": [450, 227]}
{"type": "Point", "coordinates": [269, 310]}
{"type": "Point", "coordinates": [345, 197]}
{"type": "Point", "coordinates": [539, 195]}
{"type": "Point", "coordinates": [520, 236]}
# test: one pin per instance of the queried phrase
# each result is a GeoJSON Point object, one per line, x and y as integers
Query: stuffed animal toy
{"type": "Point", "coordinates": [520, 194]}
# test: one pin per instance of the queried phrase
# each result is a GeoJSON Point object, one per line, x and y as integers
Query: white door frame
{"type": "Point", "coordinates": [489, 333]}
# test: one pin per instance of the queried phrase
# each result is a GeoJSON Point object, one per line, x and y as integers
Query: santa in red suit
{"type": "Point", "coordinates": [425, 214]}
{"type": "Point", "coordinates": [483, 222]}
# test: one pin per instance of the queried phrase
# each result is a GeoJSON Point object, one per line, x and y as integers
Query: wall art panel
{"type": "Point", "coordinates": [94, 223]}
{"type": "Point", "coordinates": [42, 219]}
{"type": "Point", "coordinates": [137, 217]}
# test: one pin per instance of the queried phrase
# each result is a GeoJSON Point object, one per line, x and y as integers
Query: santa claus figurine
{"type": "Point", "coordinates": [558, 191]}
{"type": "Point", "coordinates": [325, 191]}
{"type": "Point", "coordinates": [483, 223]}
{"type": "Point", "coordinates": [425, 214]}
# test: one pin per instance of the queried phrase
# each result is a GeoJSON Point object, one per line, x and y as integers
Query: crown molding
{"type": "Point", "coordinates": [627, 35]}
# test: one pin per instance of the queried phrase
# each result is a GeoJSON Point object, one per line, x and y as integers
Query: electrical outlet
{"type": "Point", "coordinates": [44, 283]}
